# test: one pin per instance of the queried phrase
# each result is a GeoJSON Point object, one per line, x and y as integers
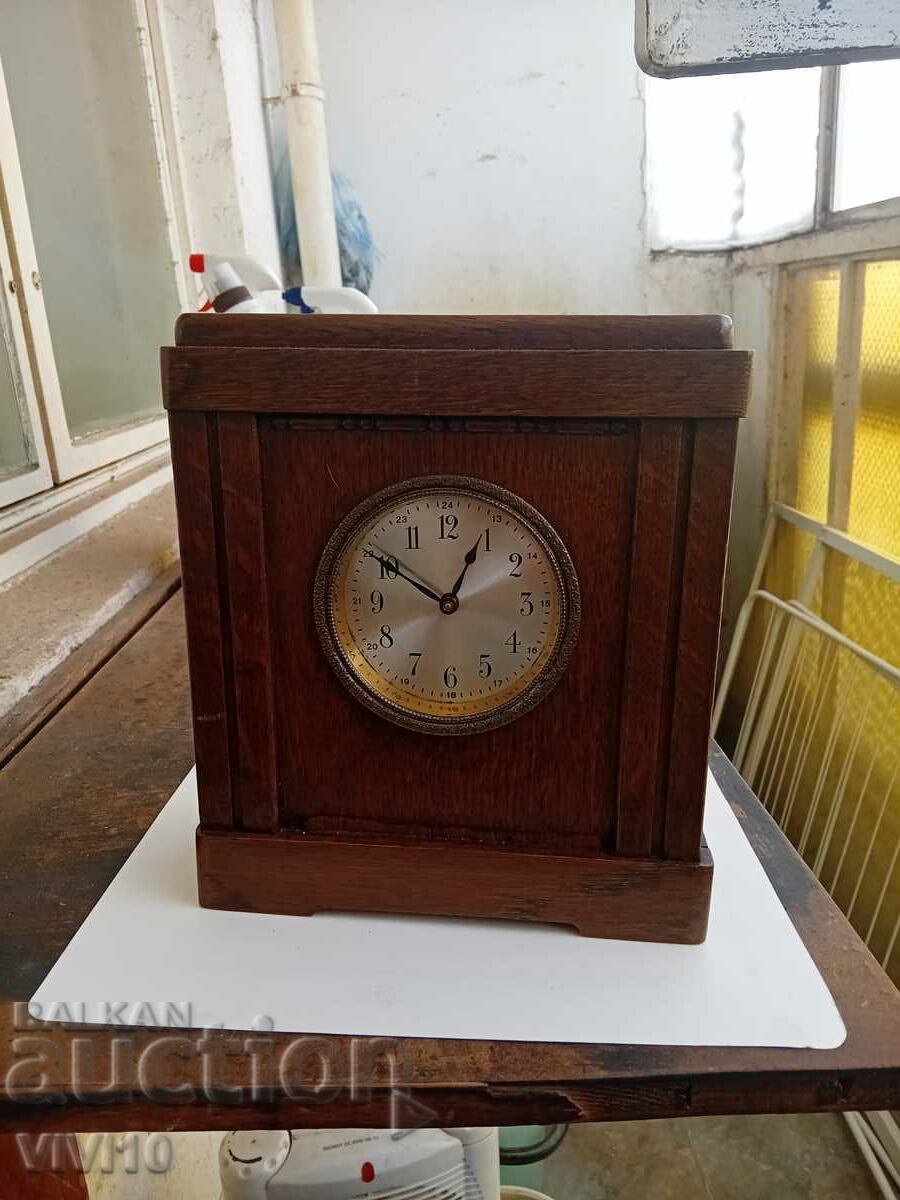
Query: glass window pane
{"type": "Point", "coordinates": [16, 448]}
{"type": "Point", "coordinates": [731, 159]}
{"type": "Point", "coordinates": [817, 295]}
{"type": "Point", "coordinates": [90, 171]}
{"type": "Point", "coordinates": [867, 166]}
{"type": "Point", "coordinates": [875, 493]}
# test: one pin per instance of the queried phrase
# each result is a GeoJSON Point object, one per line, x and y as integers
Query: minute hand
{"type": "Point", "coordinates": [393, 569]}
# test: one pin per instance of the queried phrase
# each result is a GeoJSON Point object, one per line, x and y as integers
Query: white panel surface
{"type": "Point", "coordinates": [147, 942]}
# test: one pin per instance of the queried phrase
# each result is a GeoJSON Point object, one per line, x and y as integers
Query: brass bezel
{"type": "Point", "coordinates": [557, 554]}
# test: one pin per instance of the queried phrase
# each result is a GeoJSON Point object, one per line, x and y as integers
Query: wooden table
{"type": "Point", "coordinates": [77, 797]}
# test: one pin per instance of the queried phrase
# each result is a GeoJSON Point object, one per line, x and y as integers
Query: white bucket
{"type": "Point", "coordinates": [511, 1192]}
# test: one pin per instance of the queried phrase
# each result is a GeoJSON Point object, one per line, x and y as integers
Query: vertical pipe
{"type": "Point", "coordinates": [304, 114]}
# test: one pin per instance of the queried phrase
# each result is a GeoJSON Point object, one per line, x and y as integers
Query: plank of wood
{"type": "Point", "coordinates": [79, 796]}
{"type": "Point", "coordinates": [195, 450]}
{"type": "Point", "coordinates": [242, 545]}
{"type": "Point", "coordinates": [42, 1167]}
{"type": "Point", "coordinates": [700, 617]}
{"type": "Point", "coordinates": [21, 723]}
{"type": "Point", "coordinates": [654, 591]}
{"type": "Point", "coordinates": [389, 331]}
{"type": "Point", "coordinates": [599, 895]}
{"type": "Point", "coordinates": [538, 383]}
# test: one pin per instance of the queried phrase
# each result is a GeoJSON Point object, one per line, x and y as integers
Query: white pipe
{"type": "Point", "coordinates": [304, 115]}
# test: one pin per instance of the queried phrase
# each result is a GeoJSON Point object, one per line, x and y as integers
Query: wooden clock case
{"type": "Point", "coordinates": [585, 811]}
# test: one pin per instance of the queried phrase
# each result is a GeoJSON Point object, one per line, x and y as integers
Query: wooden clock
{"type": "Point", "coordinates": [453, 590]}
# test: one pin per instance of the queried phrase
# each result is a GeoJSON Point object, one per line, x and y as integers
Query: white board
{"type": "Point", "coordinates": [147, 944]}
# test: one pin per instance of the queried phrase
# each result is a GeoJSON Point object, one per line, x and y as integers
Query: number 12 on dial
{"type": "Point", "coordinates": [447, 605]}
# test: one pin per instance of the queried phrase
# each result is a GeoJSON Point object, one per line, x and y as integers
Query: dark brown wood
{"type": "Point", "coordinates": [254, 783]}
{"type": "Point", "coordinates": [340, 765]}
{"type": "Point", "coordinates": [68, 819]}
{"type": "Point", "coordinates": [526, 383]}
{"type": "Point", "coordinates": [389, 332]}
{"type": "Point", "coordinates": [42, 1168]}
{"type": "Point", "coordinates": [641, 899]}
{"type": "Point", "coordinates": [21, 723]}
{"type": "Point", "coordinates": [653, 586]}
{"type": "Point", "coordinates": [700, 616]}
{"type": "Point", "coordinates": [624, 451]}
{"type": "Point", "coordinates": [195, 453]}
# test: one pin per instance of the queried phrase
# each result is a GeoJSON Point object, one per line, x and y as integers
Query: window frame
{"type": "Point", "coordinates": [825, 216]}
{"type": "Point", "coordinates": [64, 457]}
{"type": "Point", "coordinates": [846, 388]}
{"type": "Point", "coordinates": [13, 218]}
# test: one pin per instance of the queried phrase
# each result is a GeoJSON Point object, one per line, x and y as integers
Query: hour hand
{"type": "Point", "coordinates": [392, 567]}
{"type": "Point", "coordinates": [468, 560]}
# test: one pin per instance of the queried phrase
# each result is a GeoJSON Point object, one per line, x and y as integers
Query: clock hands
{"type": "Point", "coordinates": [392, 567]}
{"type": "Point", "coordinates": [449, 601]}
{"type": "Point", "coordinates": [468, 560]}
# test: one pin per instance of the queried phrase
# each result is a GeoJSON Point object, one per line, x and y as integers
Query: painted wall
{"type": "Point", "coordinates": [495, 148]}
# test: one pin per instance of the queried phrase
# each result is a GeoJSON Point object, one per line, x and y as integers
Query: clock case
{"type": "Point", "coordinates": [588, 809]}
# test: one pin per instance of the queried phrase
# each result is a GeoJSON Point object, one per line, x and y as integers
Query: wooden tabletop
{"type": "Point", "coordinates": [76, 798]}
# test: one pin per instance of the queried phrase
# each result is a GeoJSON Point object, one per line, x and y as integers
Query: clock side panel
{"type": "Point", "coordinates": [552, 774]}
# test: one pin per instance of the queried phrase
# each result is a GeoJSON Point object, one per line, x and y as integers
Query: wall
{"type": "Point", "coordinates": [495, 148]}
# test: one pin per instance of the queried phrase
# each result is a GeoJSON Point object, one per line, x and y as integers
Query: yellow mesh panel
{"type": "Point", "coordinates": [875, 489]}
{"type": "Point", "coordinates": [818, 294]}
{"type": "Point", "coordinates": [814, 729]}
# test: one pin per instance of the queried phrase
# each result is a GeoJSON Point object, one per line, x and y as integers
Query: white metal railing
{"type": "Point", "coordinates": [818, 743]}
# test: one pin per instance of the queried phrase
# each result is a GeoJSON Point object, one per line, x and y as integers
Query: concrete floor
{"type": "Point", "coordinates": [711, 1158]}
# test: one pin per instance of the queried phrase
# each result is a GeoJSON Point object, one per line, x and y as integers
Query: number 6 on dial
{"type": "Point", "coordinates": [447, 605]}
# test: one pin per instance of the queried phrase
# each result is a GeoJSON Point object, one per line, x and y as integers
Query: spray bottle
{"type": "Point", "coordinates": [229, 281]}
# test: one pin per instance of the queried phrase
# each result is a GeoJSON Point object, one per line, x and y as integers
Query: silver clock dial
{"type": "Point", "coordinates": [447, 605]}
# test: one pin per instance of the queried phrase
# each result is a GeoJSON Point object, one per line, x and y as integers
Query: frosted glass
{"type": "Point", "coordinates": [82, 121]}
{"type": "Point", "coordinates": [867, 166]}
{"type": "Point", "coordinates": [731, 159]}
{"type": "Point", "coordinates": [15, 450]}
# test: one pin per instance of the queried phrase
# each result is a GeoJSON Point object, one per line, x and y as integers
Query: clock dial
{"type": "Point", "coordinates": [447, 605]}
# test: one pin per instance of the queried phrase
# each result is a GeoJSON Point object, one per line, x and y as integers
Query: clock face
{"type": "Point", "coordinates": [447, 605]}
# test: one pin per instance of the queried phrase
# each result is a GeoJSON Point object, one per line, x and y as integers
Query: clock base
{"type": "Point", "coordinates": [640, 899]}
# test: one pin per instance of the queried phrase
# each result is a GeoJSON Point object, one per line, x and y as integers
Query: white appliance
{"type": "Point", "coordinates": [360, 1164]}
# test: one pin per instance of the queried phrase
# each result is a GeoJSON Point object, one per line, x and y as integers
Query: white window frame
{"type": "Point", "coordinates": [14, 215]}
{"type": "Point", "coordinates": [826, 216]}
{"type": "Point", "coordinates": [62, 456]}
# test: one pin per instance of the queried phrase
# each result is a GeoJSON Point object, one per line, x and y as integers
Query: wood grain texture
{"type": "Point", "coordinates": [600, 896]}
{"type": "Point", "coordinates": [576, 383]}
{"type": "Point", "coordinates": [548, 773]}
{"type": "Point", "coordinates": [585, 421]}
{"type": "Point", "coordinates": [195, 474]}
{"type": "Point", "coordinates": [700, 615]}
{"type": "Point", "coordinates": [388, 331]}
{"type": "Point", "coordinates": [68, 820]}
{"type": "Point", "coordinates": [653, 592]}
{"type": "Point", "coordinates": [242, 546]}
{"type": "Point", "coordinates": [48, 1170]}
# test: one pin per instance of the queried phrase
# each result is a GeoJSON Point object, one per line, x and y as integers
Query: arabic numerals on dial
{"type": "Point", "coordinates": [449, 532]}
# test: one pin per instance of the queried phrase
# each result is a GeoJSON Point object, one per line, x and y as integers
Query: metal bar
{"type": "Point", "coordinates": [836, 539]}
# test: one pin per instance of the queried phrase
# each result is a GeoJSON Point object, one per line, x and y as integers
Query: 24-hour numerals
{"type": "Point", "coordinates": [453, 603]}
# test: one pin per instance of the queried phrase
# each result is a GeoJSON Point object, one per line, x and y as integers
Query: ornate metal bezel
{"type": "Point", "coordinates": [558, 555]}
